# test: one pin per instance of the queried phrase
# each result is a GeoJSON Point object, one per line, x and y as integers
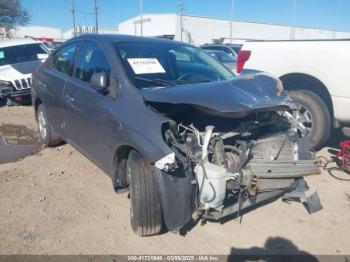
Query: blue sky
{"type": "Point", "coordinates": [329, 14]}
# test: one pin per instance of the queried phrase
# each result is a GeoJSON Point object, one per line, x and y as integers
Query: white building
{"type": "Point", "coordinates": [87, 30]}
{"type": "Point", "coordinates": [199, 30]}
{"type": "Point", "coordinates": [37, 32]}
{"type": "Point", "coordinates": [56, 33]}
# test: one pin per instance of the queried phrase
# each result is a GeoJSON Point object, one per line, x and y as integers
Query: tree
{"type": "Point", "coordinates": [12, 14]}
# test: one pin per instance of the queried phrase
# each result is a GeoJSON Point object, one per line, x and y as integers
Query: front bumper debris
{"type": "Point", "coordinates": [266, 181]}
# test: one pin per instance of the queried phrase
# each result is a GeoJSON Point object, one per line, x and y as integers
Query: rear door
{"type": "Point", "coordinates": [86, 109]}
{"type": "Point", "coordinates": [53, 81]}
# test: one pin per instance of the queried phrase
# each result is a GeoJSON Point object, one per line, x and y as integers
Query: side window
{"type": "Point", "coordinates": [91, 60]}
{"type": "Point", "coordinates": [63, 60]}
{"type": "Point", "coordinates": [216, 48]}
{"type": "Point", "coordinates": [226, 50]}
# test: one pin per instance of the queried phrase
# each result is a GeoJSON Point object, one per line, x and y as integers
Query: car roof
{"type": "Point", "coordinates": [214, 51]}
{"type": "Point", "coordinates": [15, 42]}
{"type": "Point", "coordinates": [120, 38]}
{"type": "Point", "coordinates": [235, 45]}
{"type": "Point", "coordinates": [214, 45]}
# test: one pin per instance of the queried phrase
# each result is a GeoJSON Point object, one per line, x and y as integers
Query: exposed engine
{"type": "Point", "coordinates": [233, 159]}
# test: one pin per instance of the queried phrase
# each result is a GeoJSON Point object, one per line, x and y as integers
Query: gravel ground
{"type": "Point", "coordinates": [57, 202]}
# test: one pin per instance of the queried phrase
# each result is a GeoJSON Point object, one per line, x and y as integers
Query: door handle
{"type": "Point", "coordinates": [69, 98]}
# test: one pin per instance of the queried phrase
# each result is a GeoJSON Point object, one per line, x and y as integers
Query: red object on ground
{"type": "Point", "coordinates": [344, 155]}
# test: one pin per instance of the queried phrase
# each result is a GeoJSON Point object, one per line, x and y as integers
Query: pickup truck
{"type": "Point", "coordinates": [314, 73]}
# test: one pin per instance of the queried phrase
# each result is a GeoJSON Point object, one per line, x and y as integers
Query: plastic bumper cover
{"type": "Point", "coordinates": [8, 92]}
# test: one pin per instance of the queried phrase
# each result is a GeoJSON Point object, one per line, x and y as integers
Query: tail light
{"type": "Point", "coordinates": [243, 57]}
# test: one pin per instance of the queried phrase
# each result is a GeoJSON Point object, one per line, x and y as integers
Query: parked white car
{"type": "Point", "coordinates": [18, 59]}
{"type": "Point", "coordinates": [316, 76]}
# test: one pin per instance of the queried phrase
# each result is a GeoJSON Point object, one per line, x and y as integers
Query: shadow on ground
{"type": "Point", "coordinates": [335, 139]}
{"type": "Point", "coordinates": [2, 102]}
{"type": "Point", "coordinates": [275, 249]}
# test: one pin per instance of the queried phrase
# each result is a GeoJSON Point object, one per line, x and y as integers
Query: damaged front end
{"type": "Point", "coordinates": [260, 158]}
{"type": "Point", "coordinates": [234, 162]}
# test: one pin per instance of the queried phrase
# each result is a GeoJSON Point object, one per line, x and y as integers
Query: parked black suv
{"type": "Point", "coordinates": [232, 49]}
{"type": "Point", "coordinates": [164, 119]}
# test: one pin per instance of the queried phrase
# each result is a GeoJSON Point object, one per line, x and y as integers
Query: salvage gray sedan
{"type": "Point", "coordinates": [187, 137]}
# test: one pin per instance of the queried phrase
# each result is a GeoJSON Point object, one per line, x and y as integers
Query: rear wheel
{"type": "Point", "coordinates": [313, 115]}
{"type": "Point", "coordinates": [47, 134]}
{"type": "Point", "coordinates": [145, 208]}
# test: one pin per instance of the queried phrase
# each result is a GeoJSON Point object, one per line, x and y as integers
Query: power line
{"type": "Point", "coordinates": [84, 13]}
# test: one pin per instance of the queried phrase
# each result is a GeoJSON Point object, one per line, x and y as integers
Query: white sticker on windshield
{"type": "Point", "coordinates": [146, 65]}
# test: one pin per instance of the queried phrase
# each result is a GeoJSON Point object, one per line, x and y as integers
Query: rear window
{"type": "Point", "coordinates": [21, 53]}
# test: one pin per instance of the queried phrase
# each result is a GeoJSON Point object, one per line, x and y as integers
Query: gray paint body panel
{"type": "Point", "coordinates": [98, 124]}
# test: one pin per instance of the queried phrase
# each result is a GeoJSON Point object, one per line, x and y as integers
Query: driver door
{"type": "Point", "coordinates": [87, 110]}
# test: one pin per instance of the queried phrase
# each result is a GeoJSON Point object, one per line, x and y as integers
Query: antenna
{"type": "Point", "coordinates": [73, 14]}
{"type": "Point", "coordinates": [96, 15]}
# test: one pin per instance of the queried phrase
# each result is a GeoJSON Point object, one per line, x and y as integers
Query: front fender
{"type": "Point", "coordinates": [177, 195]}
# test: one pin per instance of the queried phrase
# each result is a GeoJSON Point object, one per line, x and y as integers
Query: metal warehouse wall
{"type": "Point", "coordinates": [199, 30]}
{"type": "Point", "coordinates": [153, 25]}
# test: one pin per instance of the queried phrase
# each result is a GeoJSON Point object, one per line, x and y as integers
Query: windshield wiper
{"type": "Point", "coordinates": [156, 81]}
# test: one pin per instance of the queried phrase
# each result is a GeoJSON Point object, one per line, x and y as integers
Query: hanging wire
{"type": "Point", "coordinates": [324, 162]}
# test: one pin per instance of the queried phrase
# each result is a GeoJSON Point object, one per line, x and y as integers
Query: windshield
{"type": "Point", "coordinates": [164, 64]}
{"type": "Point", "coordinates": [21, 53]}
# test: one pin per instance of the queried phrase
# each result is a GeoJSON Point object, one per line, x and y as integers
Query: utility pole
{"type": "Point", "coordinates": [340, 4]}
{"type": "Point", "coordinates": [181, 11]}
{"type": "Point", "coordinates": [292, 31]}
{"type": "Point", "coordinates": [73, 14]}
{"type": "Point", "coordinates": [231, 20]}
{"type": "Point", "coordinates": [141, 19]}
{"type": "Point", "coordinates": [96, 16]}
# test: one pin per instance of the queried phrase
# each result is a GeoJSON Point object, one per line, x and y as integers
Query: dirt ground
{"type": "Point", "coordinates": [57, 202]}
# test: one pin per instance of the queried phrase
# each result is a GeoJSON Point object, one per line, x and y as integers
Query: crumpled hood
{"type": "Point", "coordinates": [18, 71]}
{"type": "Point", "coordinates": [233, 98]}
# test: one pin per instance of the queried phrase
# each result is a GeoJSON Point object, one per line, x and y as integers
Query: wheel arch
{"type": "Point", "coordinates": [121, 152]}
{"type": "Point", "coordinates": [302, 81]}
{"type": "Point", "coordinates": [37, 102]}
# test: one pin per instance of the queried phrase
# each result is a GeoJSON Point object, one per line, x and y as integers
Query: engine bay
{"type": "Point", "coordinates": [234, 160]}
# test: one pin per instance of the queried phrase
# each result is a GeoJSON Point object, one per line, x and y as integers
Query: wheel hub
{"type": "Point", "coordinates": [304, 119]}
{"type": "Point", "coordinates": [42, 125]}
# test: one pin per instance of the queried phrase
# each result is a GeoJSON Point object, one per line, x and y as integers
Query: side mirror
{"type": "Point", "coordinates": [99, 81]}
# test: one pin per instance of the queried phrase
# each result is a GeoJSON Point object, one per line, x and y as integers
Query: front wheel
{"type": "Point", "coordinates": [47, 134]}
{"type": "Point", "coordinates": [145, 207]}
{"type": "Point", "coordinates": [313, 115]}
